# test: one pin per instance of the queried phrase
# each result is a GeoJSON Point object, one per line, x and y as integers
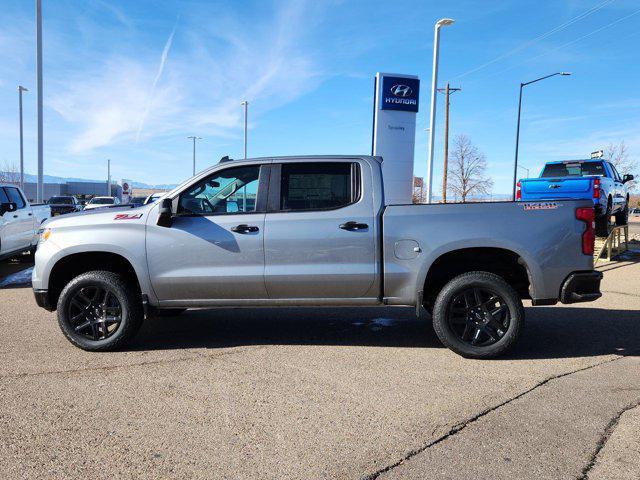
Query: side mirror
{"type": "Point", "coordinates": [627, 178]}
{"type": "Point", "coordinates": [7, 207]}
{"type": "Point", "coordinates": [165, 213]}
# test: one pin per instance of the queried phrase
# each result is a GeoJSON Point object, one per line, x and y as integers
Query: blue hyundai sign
{"type": "Point", "coordinates": [400, 93]}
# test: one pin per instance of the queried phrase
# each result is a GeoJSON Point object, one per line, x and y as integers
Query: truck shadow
{"type": "Point", "coordinates": [550, 332]}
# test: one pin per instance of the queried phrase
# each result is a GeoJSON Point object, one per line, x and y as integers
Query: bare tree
{"type": "Point", "coordinates": [418, 190]}
{"type": "Point", "coordinates": [618, 154]}
{"type": "Point", "coordinates": [467, 169]}
{"type": "Point", "coordinates": [9, 173]}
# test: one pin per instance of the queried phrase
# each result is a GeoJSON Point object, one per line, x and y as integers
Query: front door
{"type": "Point", "coordinates": [214, 247]}
{"type": "Point", "coordinates": [320, 231]}
{"type": "Point", "coordinates": [18, 224]}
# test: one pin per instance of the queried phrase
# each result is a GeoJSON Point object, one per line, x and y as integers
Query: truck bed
{"type": "Point", "coordinates": [535, 231]}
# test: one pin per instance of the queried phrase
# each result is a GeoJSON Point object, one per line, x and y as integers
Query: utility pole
{"type": "Point", "coordinates": [20, 90]}
{"type": "Point", "coordinates": [194, 138]}
{"type": "Point", "coordinates": [246, 113]}
{"type": "Point", "coordinates": [40, 188]}
{"type": "Point", "coordinates": [108, 177]}
{"type": "Point", "coordinates": [447, 92]}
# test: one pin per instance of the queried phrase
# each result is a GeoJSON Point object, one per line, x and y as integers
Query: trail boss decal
{"type": "Point", "coordinates": [128, 216]}
{"type": "Point", "coordinates": [540, 206]}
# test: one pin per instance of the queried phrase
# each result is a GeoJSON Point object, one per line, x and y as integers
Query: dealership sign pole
{"type": "Point", "coordinates": [40, 187]}
{"type": "Point", "coordinates": [396, 101]}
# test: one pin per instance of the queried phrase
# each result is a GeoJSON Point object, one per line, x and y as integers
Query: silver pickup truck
{"type": "Point", "coordinates": [19, 221]}
{"type": "Point", "coordinates": [314, 231]}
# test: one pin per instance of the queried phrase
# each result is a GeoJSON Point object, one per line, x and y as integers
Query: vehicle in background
{"type": "Point", "coordinates": [19, 221]}
{"type": "Point", "coordinates": [137, 201]}
{"type": "Point", "coordinates": [597, 180]}
{"type": "Point", "coordinates": [635, 213]}
{"type": "Point", "coordinates": [152, 198]}
{"type": "Point", "coordinates": [101, 202]}
{"type": "Point", "coordinates": [314, 231]}
{"type": "Point", "coordinates": [63, 204]}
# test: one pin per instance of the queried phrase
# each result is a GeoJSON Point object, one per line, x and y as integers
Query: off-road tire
{"type": "Point", "coordinates": [488, 282]}
{"type": "Point", "coordinates": [130, 303]}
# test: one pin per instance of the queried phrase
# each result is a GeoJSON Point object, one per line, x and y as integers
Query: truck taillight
{"type": "Point", "coordinates": [518, 191]}
{"type": "Point", "coordinates": [588, 216]}
{"type": "Point", "coordinates": [596, 188]}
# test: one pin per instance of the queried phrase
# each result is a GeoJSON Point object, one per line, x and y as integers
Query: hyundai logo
{"type": "Point", "coordinates": [401, 91]}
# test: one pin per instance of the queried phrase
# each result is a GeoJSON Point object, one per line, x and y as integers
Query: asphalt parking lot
{"type": "Point", "coordinates": [324, 393]}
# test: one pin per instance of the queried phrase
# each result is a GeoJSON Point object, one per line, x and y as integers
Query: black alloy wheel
{"type": "Point", "coordinates": [94, 312]}
{"type": "Point", "coordinates": [479, 317]}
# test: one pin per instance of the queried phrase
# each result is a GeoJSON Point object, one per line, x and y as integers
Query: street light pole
{"type": "Point", "coordinates": [40, 188]}
{"type": "Point", "coordinates": [246, 108]}
{"type": "Point", "coordinates": [194, 138]}
{"type": "Point", "coordinates": [434, 90]}
{"type": "Point", "coordinates": [108, 177]}
{"type": "Point", "coordinates": [522, 85]}
{"type": "Point", "coordinates": [20, 90]}
{"type": "Point", "coordinates": [525, 169]}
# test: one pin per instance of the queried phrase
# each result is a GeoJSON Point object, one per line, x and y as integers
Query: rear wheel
{"type": "Point", "coordinates": [622, 217]}
{"type": "Point", "coordinates": [478, 315]}
{"type": "Point", "coordinates": [602, 222]}
{"type": "Point", "coordinates": [99, 311]}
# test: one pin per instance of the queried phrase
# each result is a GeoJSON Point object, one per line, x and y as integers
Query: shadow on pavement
{"type": "Point", "coordinates": [10, 272]}
{"type": "Point", "coordinates": [550, 332]}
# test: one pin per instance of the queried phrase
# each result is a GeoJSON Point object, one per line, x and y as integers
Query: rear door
{"type": "Point", "coordinates": [214, 248]}
{"type": "Point", "coordinates": [20, 222]}
{"type": "Point", "coordinates": [320, 231]}
{"type": "Point", "coordinates": [619, 197]}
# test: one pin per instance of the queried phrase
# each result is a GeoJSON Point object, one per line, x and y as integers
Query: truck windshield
{"type": "Point", "coordinates": [60, 201]}
{"type": "Point", "coordinates": [573, 169]}
{"type": "Point", "coordinates": [101, 201]}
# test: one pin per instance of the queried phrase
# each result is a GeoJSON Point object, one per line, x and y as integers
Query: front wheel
{"type": "Point", "coordinates": [478, 315]}
{"type": "Point", "coordinates": [99, 311]}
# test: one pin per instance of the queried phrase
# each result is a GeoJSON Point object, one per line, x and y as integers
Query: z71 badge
{"type": "Point", "coordinates": [540, 205]}
{"type": "Point", "coordinates": [128, 216]}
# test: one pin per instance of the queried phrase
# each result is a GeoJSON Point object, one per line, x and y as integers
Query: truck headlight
{"type": "Point", "coordinates": [45, 233]}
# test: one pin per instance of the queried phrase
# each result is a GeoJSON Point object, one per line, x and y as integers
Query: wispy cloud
{"type": "Point", "coordinates": [127, 98]}
{"type": "Point", "coordinates": [163, 61]}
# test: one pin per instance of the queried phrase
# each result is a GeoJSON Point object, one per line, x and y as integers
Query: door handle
{"type": "Point", "coordinates": [244, 228]}
{"type": "Point", "coordinates": [30, 214]}
{"type": "Point", "coordinates": [15, 216]}
{"type": "Point", "coordinates": [354, 226]}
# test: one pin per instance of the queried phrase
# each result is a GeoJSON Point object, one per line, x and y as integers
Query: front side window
{"type": "Point", "coordinates": [233, 190]}
{"type": "Point", "coordinates": [316, 186]}
{"type": "Point", "coordinates": [15, 197]}
{"type": "Point", "coordinates": [3, 196]}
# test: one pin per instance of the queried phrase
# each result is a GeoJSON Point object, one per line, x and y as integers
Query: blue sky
{"type": "Point", "coordinates": [129, 80]}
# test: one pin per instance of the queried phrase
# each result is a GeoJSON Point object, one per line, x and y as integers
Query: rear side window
{"type": "Point", "coordinates": [3, 196]}
{"type": "Point", "coordinates": [317, 186]}
{"type": "Point", "coordinates": [15, 197]}
{"type": "Point", "coordinates": [573, 169]}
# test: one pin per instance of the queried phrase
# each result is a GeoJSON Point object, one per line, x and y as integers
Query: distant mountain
{"type": "Point", "coordinates": [53, 179]}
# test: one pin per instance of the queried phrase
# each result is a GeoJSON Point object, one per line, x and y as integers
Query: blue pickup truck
{"type": "Point", "coordinates": [582, 179]}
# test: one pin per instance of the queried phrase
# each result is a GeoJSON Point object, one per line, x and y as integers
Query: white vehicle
{"type": "Point", "coordinates": [101, 202]}
{"type": "Point", "coordinates": [19, 221]}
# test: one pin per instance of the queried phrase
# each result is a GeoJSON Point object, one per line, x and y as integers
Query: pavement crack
{"type": "Point", "coordinates": [457, 428]}
{"type": "Point", "coordinates": [604, 438]}
{"type": "Point", "coordinates": [621, 293]}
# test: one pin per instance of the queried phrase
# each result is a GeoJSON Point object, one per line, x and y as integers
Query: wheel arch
{"type": "Point", "coordinates": [504, 262]}
{"type": "Point", "coordinates": [70, 266]}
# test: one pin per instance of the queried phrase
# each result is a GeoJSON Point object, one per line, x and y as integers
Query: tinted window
{"type": "Point", "coordinates": [316, 186]}
{"type": "Point", "coordinates": [573, 169]}
{"type": "Point", "coordinates": [60, 201]}
{"type": "Point", "coordinates": [616, 175]}
{"type": "Point", "coordinates": [3, 196]}
{"type": "Point", "coordinates": [102, 201]}
{"type": "Point", "coordinates": [234, 190]}
{"type": "Point", "coordinates": [15, 197]}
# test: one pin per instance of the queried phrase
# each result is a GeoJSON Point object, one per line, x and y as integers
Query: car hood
{"type": "Point", "coordinates": [100, 216]}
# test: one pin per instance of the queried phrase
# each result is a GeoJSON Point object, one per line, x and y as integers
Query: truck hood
{"type": "Point", "coordinates": [100, 216]}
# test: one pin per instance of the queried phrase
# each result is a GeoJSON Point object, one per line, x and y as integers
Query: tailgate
{"type": "Point", "coordinates": [557, 188]}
